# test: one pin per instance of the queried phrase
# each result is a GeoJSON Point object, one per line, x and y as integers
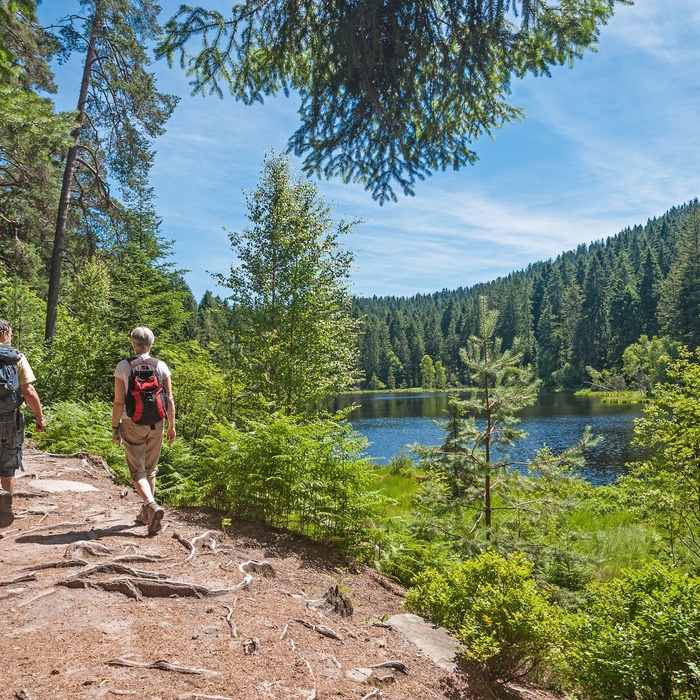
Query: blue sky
{"type": "Point", "coordinates": [605, 145]}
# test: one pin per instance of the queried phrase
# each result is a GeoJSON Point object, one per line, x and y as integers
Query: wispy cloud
{"type": "Point", "coordinates": [604, 146]}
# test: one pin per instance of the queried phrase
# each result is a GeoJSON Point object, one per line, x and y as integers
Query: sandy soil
{"type": "Point", "coordinates": [226, 614]}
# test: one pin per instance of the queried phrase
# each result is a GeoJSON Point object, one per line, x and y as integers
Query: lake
{"type": "Point", "coordinates": [392, 421]}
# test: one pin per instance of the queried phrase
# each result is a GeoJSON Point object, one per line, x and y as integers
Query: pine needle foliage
{"type": "Point", "coordinates": [390, 89]}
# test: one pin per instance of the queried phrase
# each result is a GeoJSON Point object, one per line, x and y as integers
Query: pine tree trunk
{"type": "Point", "coordinates": [64, 202]}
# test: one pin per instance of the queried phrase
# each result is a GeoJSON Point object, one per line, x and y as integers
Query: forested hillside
{"type": "Point", "coordinates": [581, 310]}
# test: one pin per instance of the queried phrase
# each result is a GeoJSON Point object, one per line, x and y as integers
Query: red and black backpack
{"type": "Point", "coordinates": [146, 401]}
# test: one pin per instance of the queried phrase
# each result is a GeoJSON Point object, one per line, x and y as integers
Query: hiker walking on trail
{"type": "Point", "coordinates": [16, 387]}
{"type": "Point", "coordinates": [143, 400]}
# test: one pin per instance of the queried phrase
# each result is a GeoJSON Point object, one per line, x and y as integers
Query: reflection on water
{"type": "Point", "coordinates": [392, 421]}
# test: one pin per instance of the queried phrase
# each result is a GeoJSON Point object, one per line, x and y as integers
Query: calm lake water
{"type": "Point", "coordinates": [392, 421]}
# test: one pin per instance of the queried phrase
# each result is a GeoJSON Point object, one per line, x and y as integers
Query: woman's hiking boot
{"type": "Point", "coordinates": [156, 514]}
{"type": "Point", "coordinates": [144, 515]}
{"type": "Point", "coordinates": [7, 517]}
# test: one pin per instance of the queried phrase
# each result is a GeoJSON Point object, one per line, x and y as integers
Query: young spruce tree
{"type": "Point", "coordinates": [481, 427]}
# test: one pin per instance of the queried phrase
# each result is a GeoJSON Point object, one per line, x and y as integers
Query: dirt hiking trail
{"type": "Point", "coordinates": [93, 607]}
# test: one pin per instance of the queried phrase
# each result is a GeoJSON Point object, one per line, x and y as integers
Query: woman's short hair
{"type": "Point", "coordinates": [142, 337]}
{"type": "Point", "coordinates": [5, 326]}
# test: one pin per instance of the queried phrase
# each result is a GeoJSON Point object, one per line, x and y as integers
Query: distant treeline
{"type": "Point", "coordinates": [581, 310]}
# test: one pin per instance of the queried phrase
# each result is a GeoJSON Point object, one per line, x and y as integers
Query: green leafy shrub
{"type": "Point", "coordinates": [404, 557]}
{"type": "Point", "coordinates": [72, 426]}
{"type": "Point", "coordinates": [307, 476]}
{"type": "Point", "coordinates": [639, 637]}
{"type": "Point", "coordinates": [495, 608]}
{"type": "Point", "coordinates": [201, 391]}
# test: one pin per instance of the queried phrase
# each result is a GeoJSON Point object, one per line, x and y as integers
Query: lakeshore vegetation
{"type": "Point", "coordinates": [593, 590]}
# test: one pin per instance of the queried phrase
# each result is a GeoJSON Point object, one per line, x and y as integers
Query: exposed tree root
{"type": "Point", "coordinates": [77, 550]}
{"type": "Point", "coordinates": [71, 563]}
{"type": "Point", "coordinates": [191, 545]}
{"type": "Point", "coordinates": [372, 694]}
{"type": "Point", "coordinates": [111, 567]}
{"type": "Point", "coordinates": [143, 558]}
{"type": "Point", "coordinates": [24, 603]}
{"type": "Point", "coordinates": [251, 646]}
{"type": "Point", "coordinates": [231, 623]}
{"type": "Point", "coordinates": [21, 579]}
{"type": "Point", "coordinates": [198, 696]}
{"type": "Point", "coordinates": [44, 512]}
{"type": "Point", "coordinates": [163, 666]}
{"type": "Point", "coordinates": [312, 694]}
{"type": "Point", "coordinates": [138, 588]}
{"type": "Point", "coordinates": [73, 455]}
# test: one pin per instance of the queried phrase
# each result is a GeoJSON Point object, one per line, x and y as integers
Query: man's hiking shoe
{"type": "Point", "coordinates": [7, 517]}
{"type": "Point", "coordinates": [144, 515]}
{"type": "Point", "coordinates": [156, 517]}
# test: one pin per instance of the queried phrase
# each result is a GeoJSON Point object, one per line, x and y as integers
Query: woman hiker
{"type": "Point", "coordinates": [135, 425]}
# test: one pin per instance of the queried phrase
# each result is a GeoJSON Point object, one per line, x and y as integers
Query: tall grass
{"type": "Point", "coordinates": [615, 540]}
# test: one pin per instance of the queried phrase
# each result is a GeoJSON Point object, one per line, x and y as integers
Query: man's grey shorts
{"type": "Point", "coordinates": [11, 439]}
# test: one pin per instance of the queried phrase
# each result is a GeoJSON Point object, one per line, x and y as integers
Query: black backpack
{"type": "Point", "coordinates": [10, 394]}
{"type": "Point", "coordinates": [146, 401]}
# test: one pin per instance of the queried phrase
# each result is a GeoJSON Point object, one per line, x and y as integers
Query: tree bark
{"type": "Point", "coordinates": [64, 202]}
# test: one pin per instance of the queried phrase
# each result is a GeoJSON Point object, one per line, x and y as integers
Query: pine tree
{"type": "Point", "coordinates": [119, 113]}
{"type": "Point", "coordinates": [389, 91]}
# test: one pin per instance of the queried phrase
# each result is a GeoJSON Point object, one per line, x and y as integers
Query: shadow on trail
{"type": "Point", "coordinates": [82, 535]}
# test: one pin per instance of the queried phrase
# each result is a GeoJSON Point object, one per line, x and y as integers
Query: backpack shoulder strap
{"type": "Point", "coordinates": [9, 354]}
{"type": "Point", "coordinates": [137, 361]}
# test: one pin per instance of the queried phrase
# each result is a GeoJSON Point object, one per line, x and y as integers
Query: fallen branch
{"type": "Point", "coordinates": [321, 629]}
{"type": "Point", "coordinates": [198, 696]}
{"type": "Point", "coordinates": [163, 666]}
{"type": "Point", "coordinates": [398, 665]}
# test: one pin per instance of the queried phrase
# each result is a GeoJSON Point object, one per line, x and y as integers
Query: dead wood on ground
{"type": "Point", "coordinates": [321, 629]}
{"type": "Point", "coordinates": [163, 666]}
